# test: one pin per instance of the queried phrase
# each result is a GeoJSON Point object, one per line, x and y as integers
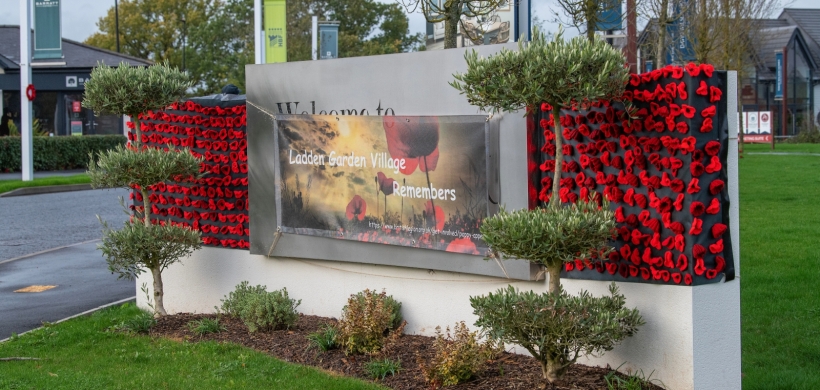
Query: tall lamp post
{"type": "Point", "coordinates": [184, 40]}
{"type": "Point", "coordinates": [117, 23]}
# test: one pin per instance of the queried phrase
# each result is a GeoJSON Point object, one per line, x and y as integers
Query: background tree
{"type": "Point", "coordinates": [153, 30]}
{"type": "Point", "coordinates": [585, 14]}
{"type": "Point", "coordinates": [453, 14]}
{"type": "Point", "coordinates": [141, 243]}
{"type": "Point", "coordinates": [220, 34]}
{"type": "Point", "coordinates": [366, 27]}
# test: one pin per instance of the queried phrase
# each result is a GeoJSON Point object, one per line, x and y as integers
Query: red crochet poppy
{"type": "Point", "coordinates": [709, 112]}
{"type": "Point", "coordinates": [688, 111]}
{"type": "Point", "coordinates": [682, 263]}
{"type": "Point", "coordinates": [718, 229]}
{"type": "Point", "coordinates": [716, 186]}
{"type": "Point", "coordinates": [720, 263]}
{"type": "Point", "coordinates": [696, 168]}
{"type": "Point", "coordinates": [712, 148]}
{"type": "Point", "coordinates": [706, 126]}
{"type": "Point", "coordinates": [716, 247]}
{"type": "Point", "coordinates": [714, 165]}
{"type": "Point", "coordinates": [698, 251]}
{"type": "Point", "coordinates": [693, 69]}
{"type": "Point", "coordinates": [697, 227]}
{"type": "Point", "coordinates": [703, 89]}
{"type": "Point", "coordinates": [714, 94]}
{"type": "Point", "coordinates": [700, 267]}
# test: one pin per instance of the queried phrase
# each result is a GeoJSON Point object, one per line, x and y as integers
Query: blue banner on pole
{"type": "Point", "coordinates": [328, 40]}
{"type": "Point", "coordinates": [681, 49]}
{"type": "Point", "coordinates": [609, 16]}
{"type": "Point", "coordinates": [778, 89]}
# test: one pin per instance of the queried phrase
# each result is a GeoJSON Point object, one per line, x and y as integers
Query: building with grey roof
{"type": "Point", "coordinates": [59, 85]}
{"type": "Point", "coordinates": [796, 32]}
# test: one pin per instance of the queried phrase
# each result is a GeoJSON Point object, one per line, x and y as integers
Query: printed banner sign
{"type": "Point", "coordinates": [48, 42]}
{"type": "Point", "coordinates": [409, 181]}
{"type": "Point", "coordinates": [757, 127]}
{"type": "Point", "coordinates": [276, 36]}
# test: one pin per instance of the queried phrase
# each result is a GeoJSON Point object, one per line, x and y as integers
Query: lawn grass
{"type": "Point", "coordinates": [83, 354]}
{"type": "Point", "coordinates": [780, 267]}
{"type": "Point", "coordinates": [10, 185]}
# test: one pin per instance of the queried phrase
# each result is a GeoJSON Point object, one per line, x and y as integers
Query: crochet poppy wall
{"type": "Point", "coordinates": [217, 204]}
{"type": "Point", "coordinates": [664, 172]}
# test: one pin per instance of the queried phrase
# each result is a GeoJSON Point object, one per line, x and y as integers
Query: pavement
{"type": "Point", "coordinates": [51, 240]}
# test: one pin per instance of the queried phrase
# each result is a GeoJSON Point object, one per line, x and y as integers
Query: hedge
{"type": "Point", "coordinates": [55, 153]}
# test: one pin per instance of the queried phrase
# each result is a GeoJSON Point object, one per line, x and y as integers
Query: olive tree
{"type": "Point", "coordinates": [558, 73]}
{"type": "Point", "coordinates": [142, 243]}
{"type": "Point", "coordinates": [555, 327]}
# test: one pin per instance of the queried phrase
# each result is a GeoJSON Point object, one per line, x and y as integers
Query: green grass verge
{"type": "Point", "coordinates": [83, 354]}
{"type": "Point", "coordinates": [10, 185]}
{"type": "Point", "coordinates": [780, 265]}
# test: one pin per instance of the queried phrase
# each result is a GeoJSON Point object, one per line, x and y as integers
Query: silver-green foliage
{"type": "Point", "coordinates": [260, 309]}
{"type": "Point", "coordinates": [558, 72]}
{"type": "Point", "coordinates": [137, 246]}
{"type": "Point", "coordinates": [551, 236]}
{"type": "Point", "coordinates": [127, 90]}
{"type": "Point", "coordinates": [126, 167]}
{"type": "Point", "coordinates": [233, 302]}
{"type": "Point", "coordinates": [558, 328]}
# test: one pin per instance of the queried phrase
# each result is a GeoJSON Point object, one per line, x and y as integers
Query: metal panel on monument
{"type": "Point", "coordinates": [372, 90]}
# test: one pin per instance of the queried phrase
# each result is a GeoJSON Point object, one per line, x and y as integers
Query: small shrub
{"type": "Point", "coordinates": [556, 328]}
{"type": "Point", "coordinates": [366, 321]}
{"type": "Point", "coordinates": [325, 338]}
{"type": "Point", "coordinates": [270, 311]}
{"type": "Point", "coordinates": [260, 309]}
{"type": "Point", "coordinates": [139, 324]}
{"type": "Point", "coordinates": [379, 369]}
{"type": "Point", "coordinates": [235, 300]}
{"type": "Point", "coordinates": [458, 356]}
{"type": "Point", "coordinates": [205, 326]}
{"type": "Point", "coordinates": [392, 305]}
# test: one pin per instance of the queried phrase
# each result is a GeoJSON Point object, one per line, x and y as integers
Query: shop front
{"type": "Point", "coordinates": [59, 84]}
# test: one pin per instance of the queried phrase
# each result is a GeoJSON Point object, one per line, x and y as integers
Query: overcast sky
{"type": "Point", "coordinates": [80, 17]}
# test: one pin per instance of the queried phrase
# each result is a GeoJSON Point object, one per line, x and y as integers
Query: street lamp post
{"type": "Point", "coordinates": [117, 23]}
{"type": "Point", "coordinates": [184, 40]}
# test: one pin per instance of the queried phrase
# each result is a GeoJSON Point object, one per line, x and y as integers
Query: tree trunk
{"type": "Point", "coordinates": [137, 132]}
{"type": "Point", "coordinates": [549, 370]}
{"type": "Point", "coordinates": [451, 25]}
{"type": "Point", "coordinates": [159, 308]}
{"type": "Point", "coordinates": [555, 200]}
{"type": "Point", "coordinates": [146, 207]}
{"type": "Point", "coordinates": [555, 278]}
{"type": "Point", "coordinates": [660, 45]}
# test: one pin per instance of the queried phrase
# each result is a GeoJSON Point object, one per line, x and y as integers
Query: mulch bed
{"type": "Point", "coordinates": [509, 371]}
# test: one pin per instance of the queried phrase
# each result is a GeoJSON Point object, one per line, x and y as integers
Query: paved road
{"type": "Point", "coordinates": [37, 223]}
